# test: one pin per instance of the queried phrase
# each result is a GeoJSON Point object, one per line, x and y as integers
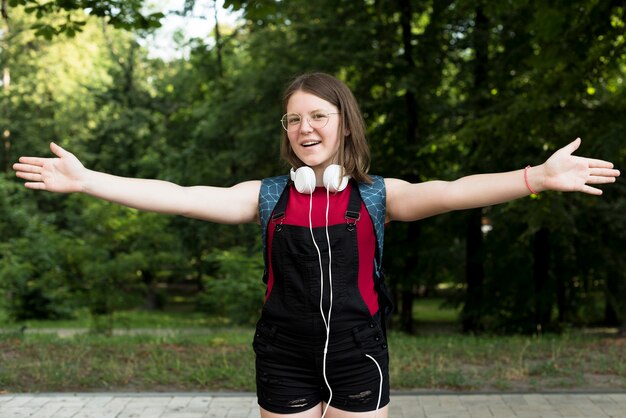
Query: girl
{"type": "Point", "coordinates": [320, 343]}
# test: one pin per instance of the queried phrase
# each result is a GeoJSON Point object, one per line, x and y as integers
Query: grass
{"type": "Point", "coordinates": [222, 359]}
{"type": "Point", "coordinates": [433, 310]}
{"type": "Point", "coordinates": [508, 363]}
{"type": "Point", "coordinates": [426, 311]}
{"type": "Point", "coordinates": [198, 353]}
{"type": "Point", "coordinates": [135, 319]}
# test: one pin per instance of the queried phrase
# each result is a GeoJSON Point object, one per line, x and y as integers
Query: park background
{"type": "Point", "coordinates": [448, 88]}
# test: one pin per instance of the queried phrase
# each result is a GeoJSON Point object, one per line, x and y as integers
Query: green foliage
{"type": "Point", "coordinates": [120, 14]}
{"type": "Point", "coordinates": [122, 254]}
{"type": "Point", "coordinates": [33, 277]}
{"type": "Point", "coordinates": [447, 88]}
{"type": "Point", "coordinates": [32, 262]}
{"type": "Point", "coordinates": [236, 290]}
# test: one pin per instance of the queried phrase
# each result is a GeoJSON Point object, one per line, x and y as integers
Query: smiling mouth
{"type": "Point", "coordinates": [310, 143]}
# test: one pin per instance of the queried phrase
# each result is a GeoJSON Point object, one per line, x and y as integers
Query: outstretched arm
{"type": "Point", "coordinates": [66, 174]}
{"type": "Point", "coordinates": [562, 172]}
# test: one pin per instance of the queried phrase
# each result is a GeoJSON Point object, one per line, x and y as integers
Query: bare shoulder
{"type": "Point", "coordinates": [248, 194]}
{"type": "Point", "coordinates": [251, 187]}
{"type": "Point", "coordinates": [393, 189]}
{"type": "Point", "coordinates": [237, 204]}
{"type": "Point", "coordinates": [392, 184]}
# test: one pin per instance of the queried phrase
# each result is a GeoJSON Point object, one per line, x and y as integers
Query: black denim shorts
{"type": "Point", "coordinates": [289, 374]}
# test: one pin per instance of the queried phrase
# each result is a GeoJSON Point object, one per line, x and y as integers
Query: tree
{"type": "Point", "coordinates": [59, 16]}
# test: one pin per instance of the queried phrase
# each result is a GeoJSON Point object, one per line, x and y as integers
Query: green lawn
{"type": "Point", "coordinates": [428, 311]}
{"type": "Point", "coordinates": [222, 359]}
{"type": "Point", "coordinates": [155, 351]}
{"type": "Point", "coordinates": [125, 320]}
{"type": "Point", "coordinates": [434, 311]}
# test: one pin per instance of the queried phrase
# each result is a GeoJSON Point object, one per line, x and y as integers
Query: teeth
{"type": "Point", "coordinates": [310, 143]}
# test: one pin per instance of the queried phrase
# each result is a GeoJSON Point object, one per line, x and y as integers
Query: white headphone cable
{"type": "Point", "coordinates": [330, 307]}
{"type": "Point", "coordinates": [319, 257]}
{"type": "Point", "coordinates": [380, 387]}
{"type": "Point", "coordinates": [326, 323]}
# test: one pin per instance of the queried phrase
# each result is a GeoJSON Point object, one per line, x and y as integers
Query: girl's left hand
{"type": "Point", "coordinates": [569, 173]}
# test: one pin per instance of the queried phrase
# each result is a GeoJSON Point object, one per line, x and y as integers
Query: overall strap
{"type": "Point", "coordinates": [281, 207]}
{"type": "Point", "coordinates": [353, 213]}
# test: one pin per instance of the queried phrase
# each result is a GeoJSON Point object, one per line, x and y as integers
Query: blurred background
{"type": "Point", "coordinates": [190, 92]}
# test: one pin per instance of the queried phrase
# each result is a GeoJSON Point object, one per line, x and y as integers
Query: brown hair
{"type": "Point", "coordinates": [354, 152]}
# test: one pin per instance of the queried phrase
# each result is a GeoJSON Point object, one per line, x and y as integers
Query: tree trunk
{"type": "Point", "coordinates": [4, 11]}
{"type": "Point", "coordinates": [614, 295]}
{"type": "Point", "coordinates": [541, 279]}
{"type": "Point", "coordinates": [4, 130]}
{"type": "Point", "coordinates": [611, 316]}
{"type": "Point", "coordinates": [474, 253]}
{"type": "Point", "coordinates": [408, 282]}
{"type": "Point", "coordinates": [474, 272]}
{"type": "Point", "coordinates": [218, 43]}
{"type": "Point", "coordinates": [561, 297]}
{"type": "Point", "coordinates": [412, 137]}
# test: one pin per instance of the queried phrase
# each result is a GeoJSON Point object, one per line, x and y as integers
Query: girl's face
{"type": "Point", "coordinates": [315, 146]}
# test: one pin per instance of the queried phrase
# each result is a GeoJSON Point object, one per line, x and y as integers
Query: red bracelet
{"type": "Point", "coordinates": [526, 180]}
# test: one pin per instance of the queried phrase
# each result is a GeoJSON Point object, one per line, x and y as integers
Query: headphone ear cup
{"type": "Point", "coordinates": [334, 180]}
{"type": "Point", "coordinates": [304, 179]}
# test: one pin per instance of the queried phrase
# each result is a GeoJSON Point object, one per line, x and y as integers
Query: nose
{"type": "Point", "coordinates": [305, 125]}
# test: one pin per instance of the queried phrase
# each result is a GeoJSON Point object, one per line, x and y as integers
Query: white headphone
{"type": "Point", "coordinates": [305, 182]}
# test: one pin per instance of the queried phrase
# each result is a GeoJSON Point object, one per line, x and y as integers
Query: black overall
{"type": "Point", "coordinates": [291, 334]}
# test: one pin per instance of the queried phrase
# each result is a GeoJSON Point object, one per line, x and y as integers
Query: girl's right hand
{"type": "Point", "coordinates": [64, 174]}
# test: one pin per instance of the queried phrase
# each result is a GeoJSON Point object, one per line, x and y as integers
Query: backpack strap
{"type": "Point", "coordinates": [271, 190]}
{"type": "Point", "coordinates": [375, 198]}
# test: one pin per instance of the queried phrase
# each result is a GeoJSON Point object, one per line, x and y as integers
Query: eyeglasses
{"type": "Point", "coordinates": [318, 119]}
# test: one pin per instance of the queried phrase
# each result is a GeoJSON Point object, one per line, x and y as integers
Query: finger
{"type": "Point", "coordinates": [35, 186]}
{"type": "Point", "coordinates": [600, 180]}
{"type": "Point", "coordinates": [28, 168]}
{"type": "Point", "coordinates": [593, 163]}
{"type": "Point", "coordinates": [57, 150]}
{"type": "Point", "coordinates": [33, 160]}
{"type": "Point", "coordinates": [29, 176]}
{"type": "Point", "coordinates": [591, 190]}
{"type": "Point", "coordinates": [604, 172]}
{"type": "Point", "coordinates": [572, 146]}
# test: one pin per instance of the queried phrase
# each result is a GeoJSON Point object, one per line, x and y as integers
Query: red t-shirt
{"type": "Point", "coordinates": [297, 213]}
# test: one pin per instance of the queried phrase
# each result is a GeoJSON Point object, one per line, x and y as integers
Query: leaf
{"type": "Point", "coordinates": [14, 3]}
{"type": "Point", "coordinates": [46, 31]}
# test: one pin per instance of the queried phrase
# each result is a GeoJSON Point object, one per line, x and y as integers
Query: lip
{"type": "Point", "coordinates": [310, 143]}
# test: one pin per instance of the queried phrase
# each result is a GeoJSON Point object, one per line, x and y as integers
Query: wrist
{"type": "Point", "coordinates": [534, 179]}
{"type": "Point", "coordinates": [85, 182]}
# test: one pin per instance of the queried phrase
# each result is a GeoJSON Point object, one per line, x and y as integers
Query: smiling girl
{"type": "Point", "coordinates": [320, 343]}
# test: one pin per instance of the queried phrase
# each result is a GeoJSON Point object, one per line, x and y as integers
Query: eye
{"type": "Point", "coordinates": [319, 116]}
{"type": "Point", "coordinates": [293, 119]}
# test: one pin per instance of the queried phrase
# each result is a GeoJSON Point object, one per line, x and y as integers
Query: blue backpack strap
{"type": "Point", "coordinates": [375, 198]}
{"type": "Point", "coordinates": [271, 189]}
